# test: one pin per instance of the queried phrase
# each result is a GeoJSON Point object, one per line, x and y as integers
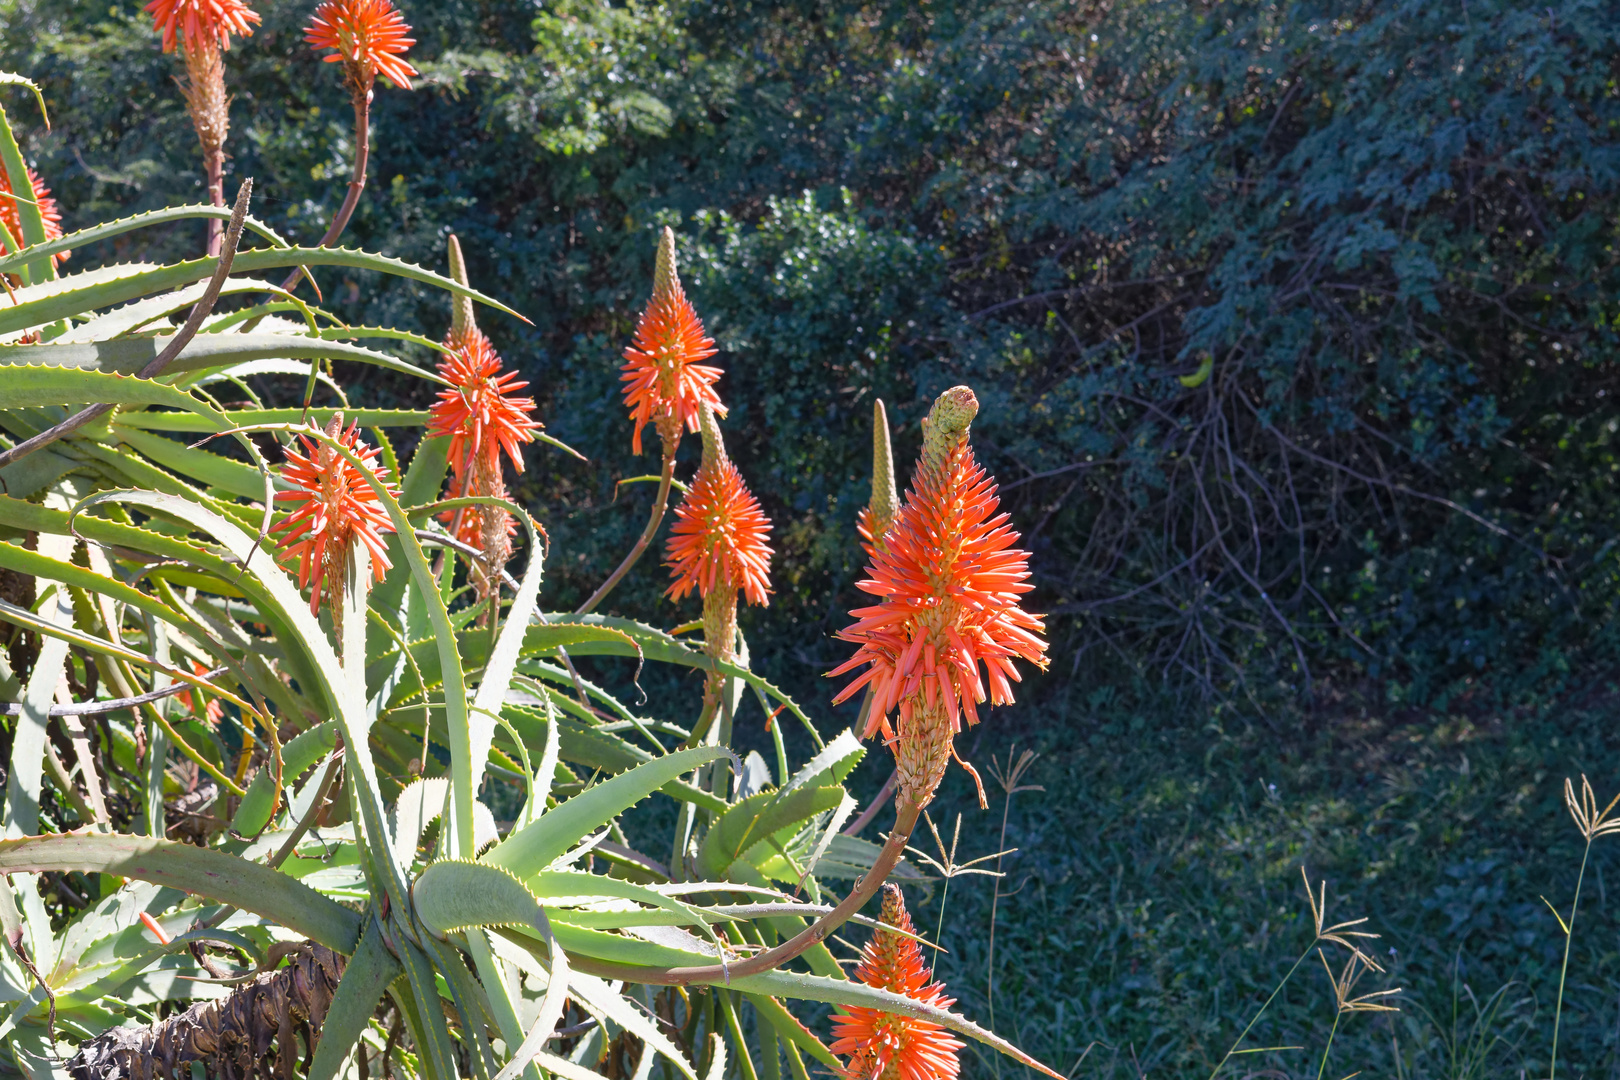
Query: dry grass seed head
{"type": "Point", "coordinates": [946, 864]}
{"type": "Point", "coordinates": [1344, 985]}
{"type": "Point", "coordinates": [1339, 933]}
{"type": "Point", "coordinates": [1588, 818]}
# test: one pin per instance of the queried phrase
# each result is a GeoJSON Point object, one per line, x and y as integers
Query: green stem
{"type": "Point", "coordinates": [1563, 972]}
{"type": "Point", "coordinates": [1256, 1018]}
{"type": "Point", "coordinates": [1328, 1049]}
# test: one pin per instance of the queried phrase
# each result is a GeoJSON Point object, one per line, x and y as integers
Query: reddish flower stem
{"type": "Point", "coordinates": [878, 802]}
{"type": "Point", "coordinates": [214, 162]}
{"type": "Point", "coordinates": [357, 182]}
{"type": "Point", "coordinates": [660, 504]}
{"type": "Point", "coordinates": [906, 815]}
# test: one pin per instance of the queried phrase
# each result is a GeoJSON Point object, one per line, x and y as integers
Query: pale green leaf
{"type": "Point", "coordinates": [535, 847]}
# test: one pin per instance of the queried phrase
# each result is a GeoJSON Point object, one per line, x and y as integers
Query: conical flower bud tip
{"type": "Point", "coordinates": [879, 513]}
{"type": "Point", "coordinates": [461, 307]}
{"type": "Point", "coordinates": [665, 278]}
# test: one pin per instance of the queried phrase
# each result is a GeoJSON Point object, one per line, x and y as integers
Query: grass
{"type": "Point", "coordinates": [1155, 899]}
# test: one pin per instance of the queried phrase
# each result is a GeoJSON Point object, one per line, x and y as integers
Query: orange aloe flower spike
{"type": "Point", "coordinates": [481, 413]}
{"type": "Point", "coordinates": [201, 21]}
{"type": "Point", "coordinates": [665, 384]}
{"type": "Point", "coordinates": [719, 539]}
{"type": "Point", "coordinates": [368, 35]}
{"type": "Point", "coordinates": [948, 581]}
{"type": "Point", "coordinates": [332, 505]}
{"type": "Point", "coordinates": [48, 209]}
{"type": "Point", "coordinates": [889, 1046]}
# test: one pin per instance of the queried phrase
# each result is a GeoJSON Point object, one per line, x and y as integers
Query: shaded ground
{"type": "Point", "coordinates": [1156, 896]}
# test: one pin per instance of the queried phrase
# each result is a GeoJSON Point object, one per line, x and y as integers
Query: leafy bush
{"type": "Point", "coordinates": [257, 776]}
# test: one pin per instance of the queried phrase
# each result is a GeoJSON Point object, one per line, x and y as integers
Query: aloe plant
{"type": "Point", "coordinates": [331, 813]}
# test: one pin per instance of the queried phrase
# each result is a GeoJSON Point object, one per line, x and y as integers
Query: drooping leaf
{"type": "Point", "coordinates": [199, 871]}
{"type": "Point", "coordinates": [453, 894]}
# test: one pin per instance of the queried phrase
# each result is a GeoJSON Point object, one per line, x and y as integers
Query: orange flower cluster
{"type": "Point", "coordinates": [482, 415]}
{"type": "Point", "coordinates": [333, 505]}
{"type": "Point", "coordinates": [948, 579]}
{"type": "Point", "coordinates": [202, 22]}
{"type": "Point", "coordinates": [719, 537]}
{"type": "Point", "coordinates": [889, 1046]}
{"type": "Point", "coordinates": [12, 216]}
{"type": "Point", "coordinates": [665, 383]}
{"type": "Point", "coordinates": [369, 36]}
{"type": "Point", "coordinates": [481, 412]}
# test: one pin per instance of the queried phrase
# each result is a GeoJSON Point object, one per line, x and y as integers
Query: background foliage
{"type": "Point", "coordinates": [1293, 321]}
{"type": "Point", "coordinates": [1295, 329]}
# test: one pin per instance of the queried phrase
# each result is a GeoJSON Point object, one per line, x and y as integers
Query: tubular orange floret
{"type": "Point", "coordinates": [48, 209]}
{"type": "Point", "coordinates": [368, 35]}
{"type": "Point", "coordinates": [719, 537]}
{"type": "Point", "coordinates": [889, 1046]}
{"type": "Point", "coordinates": [949, 581]}
{"type": "Point", "coordinates": [201, 22]}
{"type": "Point", "coordinates": [481, 413]}
{"type": "Point", "coordinates": [332, 506]}
{"type": "Point", "coordinates": [665, 384]}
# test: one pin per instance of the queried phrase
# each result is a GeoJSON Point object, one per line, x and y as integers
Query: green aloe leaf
{"type": "Point", "coordinates": [199, 871]}
{"type": "Point", "coordinates": [502, 663]}
{"type": "Point", "coordinates": [182, 422]}
{"type": "Point", "coordinates": [10, 78]}
{"type": "Point", "coordinates": [602, 998]}
{"type": "Point", "coordinates": [535, 847]}
{"type": "Point", "coordinates": [300, 754]}
{"type": "Point", "coordinates": [654, 644]}
{"type": "Point", "coordinates": [211, 470]}
{"type": "Point", "coordinates": [33, 223]}
{"type": "Point", "coordinates": [126, 356]}
{"type": "Point", "coordinates": [775, 1014]}
{"type": "Point", "coordinates": [280, 598]}
{"type": "Point", "coordinates": [584, 744]}
{"type": "Point", "coordinates": [832, 764]}
{"type": "Point", "coordinates": [756, 819]}
{"type": "Point", "coordinates": [31, 386]}
{"type": "Point", "coordinates": [80, 294]}
{"type": "Point", "coordinates": [364, 982]}
{"type": "Point", "coordinates": [35, 564]}
{"type": "Point", "coordinates": [109, 229]}
{"type": "Point", "coordinates": [453, 895]}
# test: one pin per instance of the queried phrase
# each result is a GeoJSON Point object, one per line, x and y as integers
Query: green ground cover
{"type": "Point", "coordinates": [1155, 899]}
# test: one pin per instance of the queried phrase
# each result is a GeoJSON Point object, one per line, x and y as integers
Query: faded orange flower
{"type": "Point", "coordinates": [332, 506]}
{"type": "Point", "coordinates": [948, 578]}
{"type": "Point", "coordinates": [481, 412]}
{"type": "Point", "coordinates": [213, 710]}
{"type": "Point", "coordinates": [369, 37]}
{"type": "Point", "coordinates": [12, 216]}
{"type": "Point", "coordinates": [889, 1046]}
{"type": "Point", "coordinates": [201, 21]}
{"type": "Point", "coordinates": [665, 385]}
{"type": "Point", "coordinates": [719, 537]}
